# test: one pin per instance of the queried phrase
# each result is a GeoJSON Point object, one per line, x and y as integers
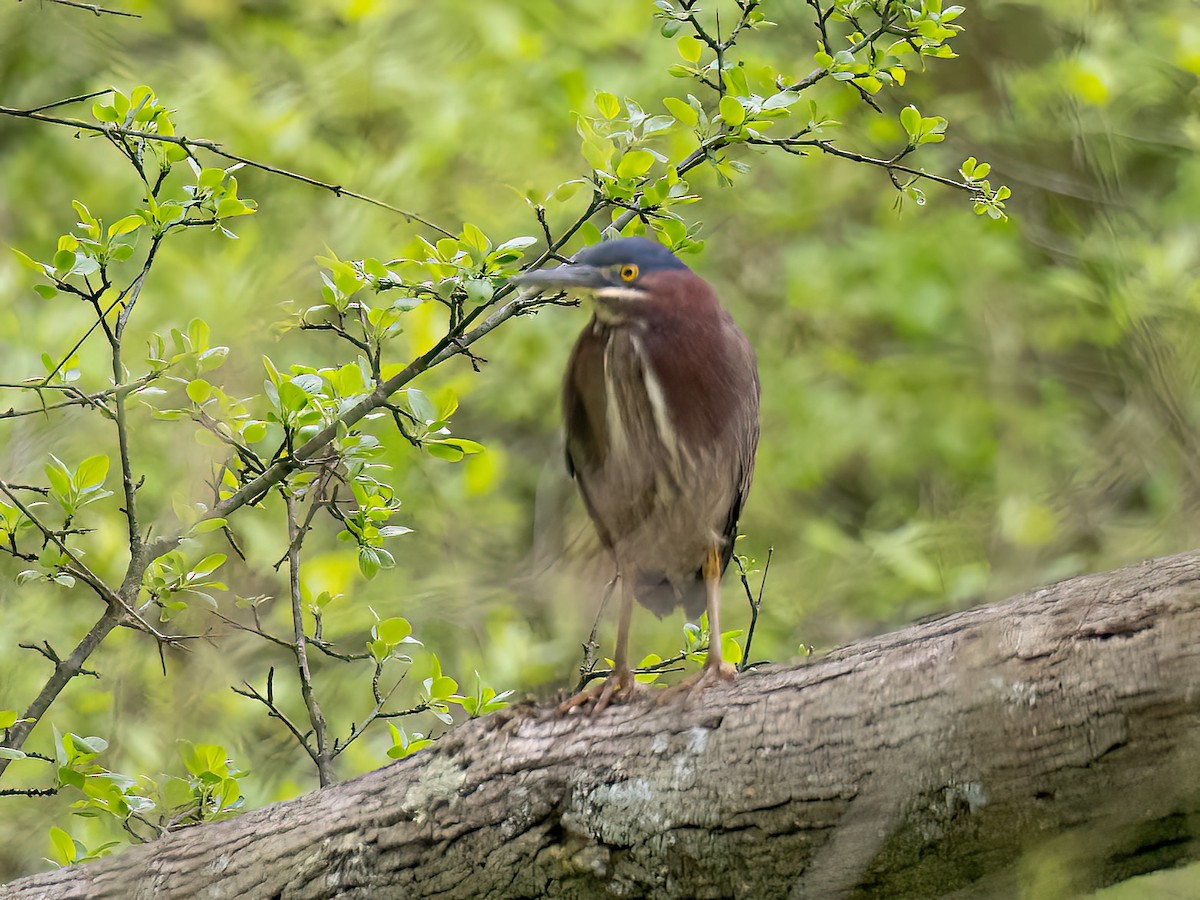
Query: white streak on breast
{"type": "Point", "coordinates": [618, 436]}
{"type": "Point", "coordinates": [658, 406]}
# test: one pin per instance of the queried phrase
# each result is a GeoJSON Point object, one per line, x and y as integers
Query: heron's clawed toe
{"type": "Point", "coordinates": [717, 673]}
{"type": "Point", "coordinates": [618, 687]}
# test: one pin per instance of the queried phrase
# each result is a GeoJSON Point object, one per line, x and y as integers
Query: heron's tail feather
{"type": "Point", "coordinates": [659, 595]}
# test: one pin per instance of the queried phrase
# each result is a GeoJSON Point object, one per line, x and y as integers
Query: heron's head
{"type": "Point", "coordinates": [615, 274]}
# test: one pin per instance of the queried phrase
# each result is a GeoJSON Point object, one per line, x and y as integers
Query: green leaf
{"type": "Point", "coordinates": [91, 472]}
{"type": "Point", "coordinates": [176, 792]}
{"type": "Point", "coordinates": [209, 564]}
{"type": "Point", "coordinates": [732, 111]}
{"type": "Point", "coordinates": [254, 431]}
{"type": "Point", "coordinates": [92, 743]}
{"type": "Point", "coordinates": [392, 631]}
{"type": "Point", "coordinates": [388, 531]}
{"type": "Point", "coordinates": [204, 526]}
{"type": "Point", "coordinates": [230, 207]}
{"type": "Point", "coordinates": [479, 290]}
{"type": "Point", "coordinates": [466, 446]}
{"type": "Point", "coordinates": [84, 265]}
{"type": "Point", "coordinates": [589, 233]}
{"type": "Point", "coordinates": [210, 179]}
{"type": "Point", "coordinates": [608, 104]}
{"type": "Point", "coordinates": [655, 124]}
{"type": "Point", "coordinates": [443, 451]}
{"type": "Point", "coordinates": [65, 850]}
{"type": "Point", "coordinates": [8, 718]}
{"type": "Point", "coordinates": [86, 218]}
{"type": "Point", "coordinates": [910, 118]}
{"type": "Point", "coordinates": [474, 238]}
{"type": "Point", "coordinates": [59, 476]}
{"type": "Point", "coordinates": [199, 390]}
{"type": "Point", "coordinates": [198, 334]}
{"type": "Point", "coordinates": [368, 562]}
{"type": "Point", "coordinates": [730, 648]}
{"type": "Point", "coordinates": [126, 225]}
{"type": "Point", "coordinates": [635, 163]}
{"type": "Point", "coordinates": [681, 110]}
{"type": "Point", "coordinates": [651, 659]}
{"type": "Point", "coordinates": [422, 407]}
{"type": "Point", "coordinates": [403, 745]}
{"type": "Point", "coordinates": [689, 48]}
{"type": "Point", "coordinates": [29, 262]}
{"type": "Point", "coordinates": [520, 243]}
{"type": "Point", "coordinates": [781, 100]}
{"type": "Point", "coordinates": [63, 260]}
{"type": "Point", "coordinates": [735, 81]}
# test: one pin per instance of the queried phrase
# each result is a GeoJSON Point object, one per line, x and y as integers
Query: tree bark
{"type": "Point", "coordinates": [1047, 744]}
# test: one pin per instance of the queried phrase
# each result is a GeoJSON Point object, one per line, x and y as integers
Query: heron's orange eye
{"type": "Point", "coordinates": [629, 272]}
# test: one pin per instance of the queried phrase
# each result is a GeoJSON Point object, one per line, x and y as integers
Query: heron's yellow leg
{"type": "Point", "coordinates": [620, 683]}
{"type": "Point", "coordinates": [715, 668]}
{"type": "Point", "coordinates": [714, 664]}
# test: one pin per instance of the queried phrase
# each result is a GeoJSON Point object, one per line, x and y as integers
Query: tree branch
{"type": "Point", "coordinates": [947, 757]}
{"type": "Point", "coordinates": [63, 673]}
{"type": "Point", "coordinates": [213, 147]}
{"type": "Point", "coordinates": [316, 718]}
{"type": "Point", "coordinates": [96, 9]}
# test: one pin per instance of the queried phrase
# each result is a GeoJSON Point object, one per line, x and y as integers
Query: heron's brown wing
{"type": "Point", "coordinates": [583, 404]}
{"type": "Point", "coordinates": [586, 443]}
{"type": "Point", "coordinates": [746, 435]}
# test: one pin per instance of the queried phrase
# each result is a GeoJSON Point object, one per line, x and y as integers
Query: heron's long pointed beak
{"type": "Point", "coordinates": [567, 277]}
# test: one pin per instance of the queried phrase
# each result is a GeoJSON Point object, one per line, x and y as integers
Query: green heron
{"type": "Point", "coordinates": [661, 407]}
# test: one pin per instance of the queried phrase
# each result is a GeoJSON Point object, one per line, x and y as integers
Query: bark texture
{"type": "Point", "coordinates": [1048, 743]}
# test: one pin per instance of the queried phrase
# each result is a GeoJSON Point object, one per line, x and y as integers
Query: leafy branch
{"type": "Point", "coordinates": [118, 131]}
{"type": "Point", "coordinates": [311, 423]}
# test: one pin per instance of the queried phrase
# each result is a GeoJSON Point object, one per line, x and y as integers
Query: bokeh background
{"type": "Point", "coordinates": [954, 409]}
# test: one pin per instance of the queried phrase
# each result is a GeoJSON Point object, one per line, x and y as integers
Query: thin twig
{"type": "Point", "coordinates": [78, 397]}
{"type": "Point", "coordinates": [28, 792]}
{"type": "Point", "coordinates": [79, 570]}
{"type": "Point", "coordinates": [357, 731]}
{"type": "Point", "coordinates": [755, 604]}
{"type": "Point", "coordinates": [268, 700]}
{"type": "Point", "coordinates": [47, 651]}
{"type": "Point", "coordinates": [97, 10]}
{"type": "Point", "coordinates": [323, 759]}
{"type": "Point", "coordinates": [890, 165]}
{"type": "Point", "coordinates": [588, 666]}
{"type": "Point", "coordinates": [215, 148]}
{"type": "Point", "coordinates": [62, 675]}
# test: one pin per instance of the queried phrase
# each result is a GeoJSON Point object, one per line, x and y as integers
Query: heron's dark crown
{"type": "Point", "coordinates": [649, 256]}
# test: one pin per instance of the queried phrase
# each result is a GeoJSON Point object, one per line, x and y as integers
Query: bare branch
{"type": "Point", "coordinates": [95, 9]}
{"type": "Point", "coordinates": [78, 397]}
{"type": "Point", "coordinates": [268, 700]}
{"type": "Point", "coordinates": [755, 603]}
{"type": "Point", "coordinates": [323, 758]}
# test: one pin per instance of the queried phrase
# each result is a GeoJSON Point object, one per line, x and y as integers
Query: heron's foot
{"type": "Point", "coordinates": [719, 672]}
{"type": "Point", "coordinates": [618, 687]}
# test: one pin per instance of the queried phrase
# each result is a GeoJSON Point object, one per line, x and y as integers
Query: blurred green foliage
{"type": "Point", "coordinates": [954, 407]}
